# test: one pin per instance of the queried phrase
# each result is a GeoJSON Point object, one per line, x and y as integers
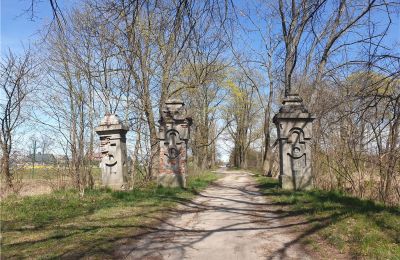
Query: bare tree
{"type": "Point", "coordinates": [153, 39]}
{"type": "Point", "coordinates": [254, 21]}
{"type": "Point", "coordinates": [17, 73]}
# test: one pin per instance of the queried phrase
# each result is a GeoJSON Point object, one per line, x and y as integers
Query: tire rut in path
{"type": "Point", "coordinates": [228, 220]}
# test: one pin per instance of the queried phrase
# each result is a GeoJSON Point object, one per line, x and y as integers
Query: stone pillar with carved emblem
{"type": "Point", "coordinates": [114, 162]}
{"type": "Point", "coordinates": [294, 128]}
{"type": "Point", "coordinates": [174, 134]}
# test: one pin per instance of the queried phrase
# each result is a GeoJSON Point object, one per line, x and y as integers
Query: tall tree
{"type": "Point", "coordinates": [17, 75]}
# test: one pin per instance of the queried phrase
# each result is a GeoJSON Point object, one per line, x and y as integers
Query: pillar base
{"type": "Point", "coordinates": [297, 183]}
{"type": "Point", "coordinates": [116, 187]}
{"type": "Point", "coordinates": [172, 180]}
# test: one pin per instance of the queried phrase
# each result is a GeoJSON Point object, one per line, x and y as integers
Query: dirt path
{"type": "Point", "coordinates": [229, 220]}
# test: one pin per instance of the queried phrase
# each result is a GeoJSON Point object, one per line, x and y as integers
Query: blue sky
{"type": "Point", "coordinates": [17, 29]}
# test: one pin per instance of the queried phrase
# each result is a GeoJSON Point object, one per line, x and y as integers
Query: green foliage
{"type": "Point", "coordinates": [65, 224]}
{"type": "Point", "coordinates": [361, 227]}
{"type": "Point", "coordinates": [236, 92]}
{"type": "Point", "coordinates": [376, 83]}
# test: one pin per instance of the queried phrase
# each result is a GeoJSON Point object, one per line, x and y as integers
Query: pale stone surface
{"type": "Point", "coordinates": [114, 163]}
{"type": "Point", "coordinates": [174, 133]}
{"type": "Point", "coordinates": [294, 127]}
{"type": "Point", "coordinates": [229, 220]}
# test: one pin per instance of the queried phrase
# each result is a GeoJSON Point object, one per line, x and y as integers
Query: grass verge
{"type": "Point", "coordinates": [63, 224]}
{"type": "Point", "coordinates": [360, 228]}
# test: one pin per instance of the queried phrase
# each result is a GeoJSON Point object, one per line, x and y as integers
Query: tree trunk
{"type": "Point", "coordinates": [154, 147]}
{"type": "Point", "coordinates": [5, 165]}
{"type": "Point", "coordinates": [392, 144]}
{"type": "Point", "coordinates": [267, 158]}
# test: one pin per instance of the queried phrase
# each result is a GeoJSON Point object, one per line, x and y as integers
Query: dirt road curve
{"type": "Point", "coordinates": [229, 220]}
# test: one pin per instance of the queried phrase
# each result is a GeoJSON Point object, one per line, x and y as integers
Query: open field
{"type": "Point", "coordinates": [360, 228]}
{"type": "Point", "coordinates": [46, 172]}
{"type": "Point", "coordinates": [63, 224]}
{"type": "Point", "coordinates": [43, 179]}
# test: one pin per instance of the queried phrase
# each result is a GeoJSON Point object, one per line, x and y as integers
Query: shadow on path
{"type": "Point", "coordinates": [229, 219]}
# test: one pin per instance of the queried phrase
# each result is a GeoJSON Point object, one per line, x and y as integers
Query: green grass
{"type": "Point", "coordinates": [63, 224]}
{"type": "Point", "coordinates": [361, 228]}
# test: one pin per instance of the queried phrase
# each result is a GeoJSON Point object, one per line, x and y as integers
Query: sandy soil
{"type": "Point", "coordinates": [229, 220]}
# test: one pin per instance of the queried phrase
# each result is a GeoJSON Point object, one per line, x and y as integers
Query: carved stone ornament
{"type": "Point", "coordinates": [112, 135]}
{"type": "Point", "coordinates": [174, 134]}
{"type": "Point", "coordinates": [294, 127]}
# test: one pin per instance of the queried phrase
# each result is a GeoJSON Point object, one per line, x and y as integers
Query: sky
{"type": "Point", "coordinates": [19, 31]}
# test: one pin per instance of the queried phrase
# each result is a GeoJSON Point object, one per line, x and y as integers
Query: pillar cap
{"type": "Point", "coordinates": [111, 122]}
{"type": "Point", "coordinates": [174, 111]}
{"type": "Point", "coordinates": [293, 108]}
{"type": "Point", "coordinates": [174, 101]}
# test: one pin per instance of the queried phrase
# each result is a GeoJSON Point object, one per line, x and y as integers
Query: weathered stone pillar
{"type": "Point", "coordinates": [174, 133]}
{"type": "Point", "coordinates": [114, 162]}
{"type": "Point", "coordinates": [294, 127]}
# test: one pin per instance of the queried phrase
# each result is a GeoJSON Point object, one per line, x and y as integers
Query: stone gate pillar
{"type": "Point", "coordinates": [294, 127]}
{"type": "Point", "coordinates": [174, 133]}
{"type": "Point", "coordinates": [114, 162]}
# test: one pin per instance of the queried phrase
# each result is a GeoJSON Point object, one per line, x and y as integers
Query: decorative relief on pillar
{"type": "Point", "coordinates": [173, 135]}
{"type": "Point", "coordinates": [113, 150]}
{"type": "Point", "coordinates": [108, 149]}
{"type": "Point", "coordinates": [294, 128]}
{"type": "Point", "coordinates": [298, 151]}
{"type": "Point", "coordinates": [172, 140]}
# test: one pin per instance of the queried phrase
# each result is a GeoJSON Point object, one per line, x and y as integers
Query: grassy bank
{"type": "Point", "coordinates": [63, 224]}
{"type": "Point", "coordinates": [360, 228]}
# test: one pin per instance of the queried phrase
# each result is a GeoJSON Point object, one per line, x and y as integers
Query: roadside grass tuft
{"type": "Point", "coordinates": [63, 224]}
{"type": "Point", "coordinates": [362, 228]}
